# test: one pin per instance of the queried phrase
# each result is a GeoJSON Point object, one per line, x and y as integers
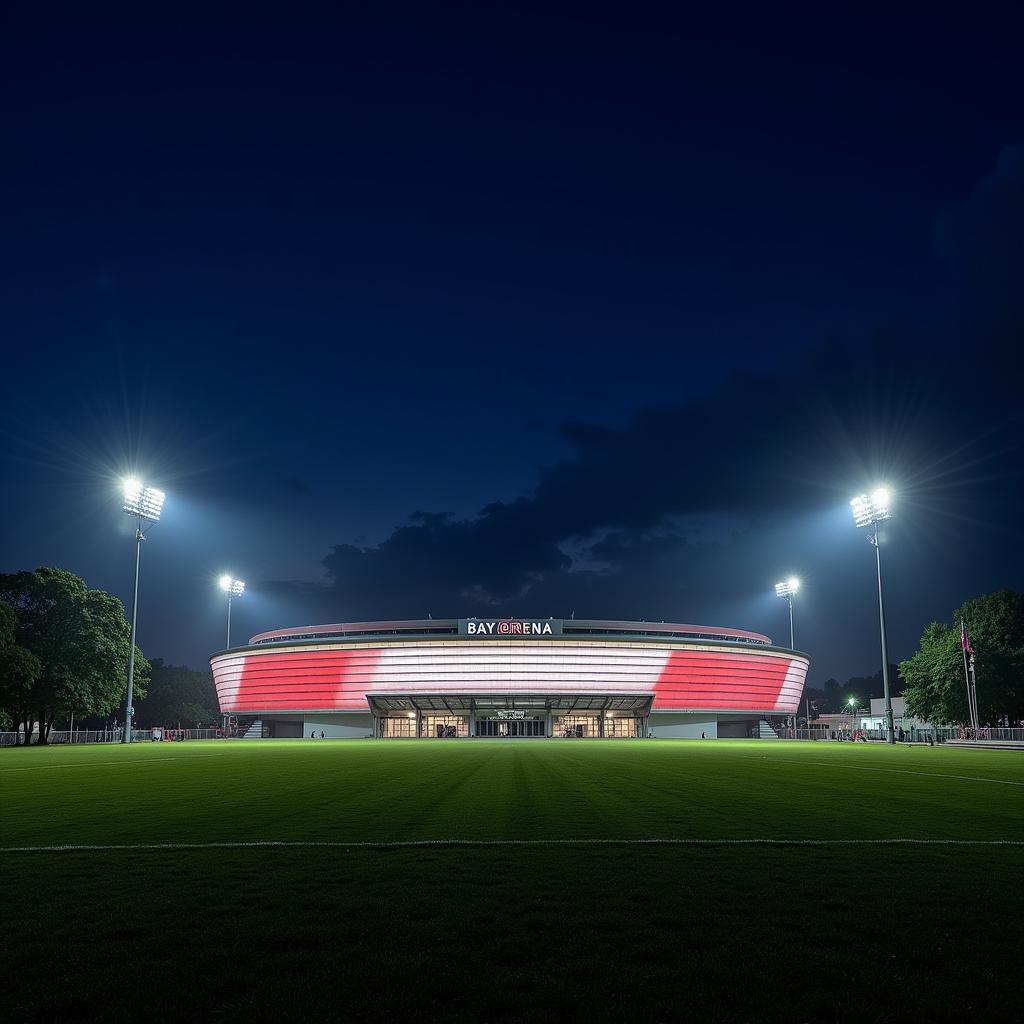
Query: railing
{"type": "Point", "coordinates": [12, 739]}
{"type": "Point", "coordinates": [997, 732]}
{"type": "Point", "coordinates": [937, 733]}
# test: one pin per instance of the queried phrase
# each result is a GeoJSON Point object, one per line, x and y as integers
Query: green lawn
{"type": "Point", "coordinates": [720, 930]}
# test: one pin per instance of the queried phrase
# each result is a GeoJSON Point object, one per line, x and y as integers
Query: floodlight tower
{"type": "Point", "coordinates": [234, 588]}
{"type": "Point", "coordinates": [868, 512]}
{"type": "Point", "coordinates": [787, 589]}
{"type": "Point", "coordinates": [144, 504]}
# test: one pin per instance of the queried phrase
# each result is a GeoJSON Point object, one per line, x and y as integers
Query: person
{"type": "Point", "coordinates": [321, 734]}
{"type": "Point", "coordinates": [312, 734]}
{"type": "Point", "coordinates": [702, 736]}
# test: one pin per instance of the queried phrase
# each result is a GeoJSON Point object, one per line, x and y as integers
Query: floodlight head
{"type": "Point", "coordinates": [234, 588]}
{"type": "Point", "coordinates": [793, 583]}
{"type": "Point", "coordinates": [787, 588]}
{"type": "Point", "coordinates": [142, 501]}
{"type": "Point", "coordinates": [881, 498]}
{"type": "Point", "coordinates": [867, 511]}
{"type": "Point", "coordinates": [852, 701]}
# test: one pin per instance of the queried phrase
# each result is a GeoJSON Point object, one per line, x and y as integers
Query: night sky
{"type": "Point", "coordinates": [507, 311]}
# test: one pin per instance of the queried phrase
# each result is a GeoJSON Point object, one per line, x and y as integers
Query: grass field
{"type": "Point", "coordinates": [501, 926]}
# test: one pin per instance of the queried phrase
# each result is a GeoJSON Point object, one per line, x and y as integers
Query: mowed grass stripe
{"type": "Point", "coordinates": [910, 771]}
{"type": "Point", "coordinates": [352, 791]}
{"type": "Point", "coordinates": [125, 762]}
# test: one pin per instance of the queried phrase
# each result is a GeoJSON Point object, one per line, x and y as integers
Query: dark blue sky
{"type": "Point", "coordinates": [506, 310]}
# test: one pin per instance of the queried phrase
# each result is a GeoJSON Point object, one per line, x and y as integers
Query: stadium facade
{"type": "Point", "coordinates": [450, 678]}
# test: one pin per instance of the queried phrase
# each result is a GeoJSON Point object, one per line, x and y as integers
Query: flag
{"type": "Point", "coordinates": [965, 643]}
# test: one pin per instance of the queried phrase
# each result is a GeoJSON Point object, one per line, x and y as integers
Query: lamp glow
{"type": "Point", "coordinates": [142, 501]}
{"type": "Point", "coordinates": [232, 586]}
{"type": "Point", "coordinates": [868, 511]}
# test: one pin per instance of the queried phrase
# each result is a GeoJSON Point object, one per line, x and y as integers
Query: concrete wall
{"type": "Point", "coordinates": [343, 726]}
{"type": "Point", "coordinates": [730, 728]}
{"type": "Point", "coordinates": [672, 725]}
{"type": "Point", "coordinates": [284, 730]}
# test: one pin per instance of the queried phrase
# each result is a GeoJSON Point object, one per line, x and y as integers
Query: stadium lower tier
{"type": "Point", "coordinates": [536, 725]}
{"type": "Point", "coordinates": [451, 688]}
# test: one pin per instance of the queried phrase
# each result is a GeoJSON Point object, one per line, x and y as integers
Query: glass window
{"type": "Point", "coordinates": [398, 727]}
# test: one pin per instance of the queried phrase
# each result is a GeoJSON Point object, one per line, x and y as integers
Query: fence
{"type": "Point", "coordinates": [12, 739]}
{"type": "Point", "coordinates": [938, 733]}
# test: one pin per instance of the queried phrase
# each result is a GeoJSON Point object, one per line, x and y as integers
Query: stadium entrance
{"type": "Point", "coordinates": [491, 726]}
{"type": "Point", "coordinates": [510, 716]}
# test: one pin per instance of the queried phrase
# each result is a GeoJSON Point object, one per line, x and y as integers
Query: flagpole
{"type": "Point", "coordinates": [974, 701]}
{"type": "Point", "coordinates": [967, 674]}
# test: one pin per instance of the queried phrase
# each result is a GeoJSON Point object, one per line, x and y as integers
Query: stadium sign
{"type": "Point", "coordinates": [515, 713]}
{"type": "Point", "coordinates": [510, 627]}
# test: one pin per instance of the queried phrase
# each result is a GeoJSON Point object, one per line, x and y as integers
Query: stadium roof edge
{"type": "Point", "coordinates": [450, 626]}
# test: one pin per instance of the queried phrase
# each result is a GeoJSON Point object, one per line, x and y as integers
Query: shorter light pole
{"type": "Point", "coordinates": [786, 589]}
{"type": "Point", "coordinates": [852, 705]}
{"type": "Point", "coordinates": [234, 588]}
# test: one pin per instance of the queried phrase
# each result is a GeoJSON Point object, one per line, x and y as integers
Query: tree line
{"type": "Point", "coordinates": [64, 652]}
{"type": "Point", "coordinates": [832, 696]}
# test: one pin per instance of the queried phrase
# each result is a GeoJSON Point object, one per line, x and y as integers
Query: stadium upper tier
{"type": "Point", "coordinates": [568, 627]}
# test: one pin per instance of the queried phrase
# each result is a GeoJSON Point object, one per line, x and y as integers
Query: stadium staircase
{"type": "Point", "coordinates": [765, 731]}
{"type": "Point", "coordinates": [255, 731]}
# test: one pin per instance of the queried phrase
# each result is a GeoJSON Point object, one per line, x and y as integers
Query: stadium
{"type": "Point", "coordinates": [541, 678]}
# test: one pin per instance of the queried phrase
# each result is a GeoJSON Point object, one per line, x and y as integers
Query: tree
{"type": "Point", "coordinates": [81, 639]}
{"type": "Point", "coordinates": [19, 669]}
{"type": "Point", "coordinates": [179, 694]}
{"type": "Point", "coordinates": [935, 686]}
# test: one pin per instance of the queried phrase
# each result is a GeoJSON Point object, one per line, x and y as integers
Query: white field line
{"type": "Point", "coordinates": [385, 844]}
{"type": "Point", "coordinates": [902, 771]}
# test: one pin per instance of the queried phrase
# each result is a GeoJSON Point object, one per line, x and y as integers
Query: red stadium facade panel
{"type": "Point", "coordinates": [673, 673]}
